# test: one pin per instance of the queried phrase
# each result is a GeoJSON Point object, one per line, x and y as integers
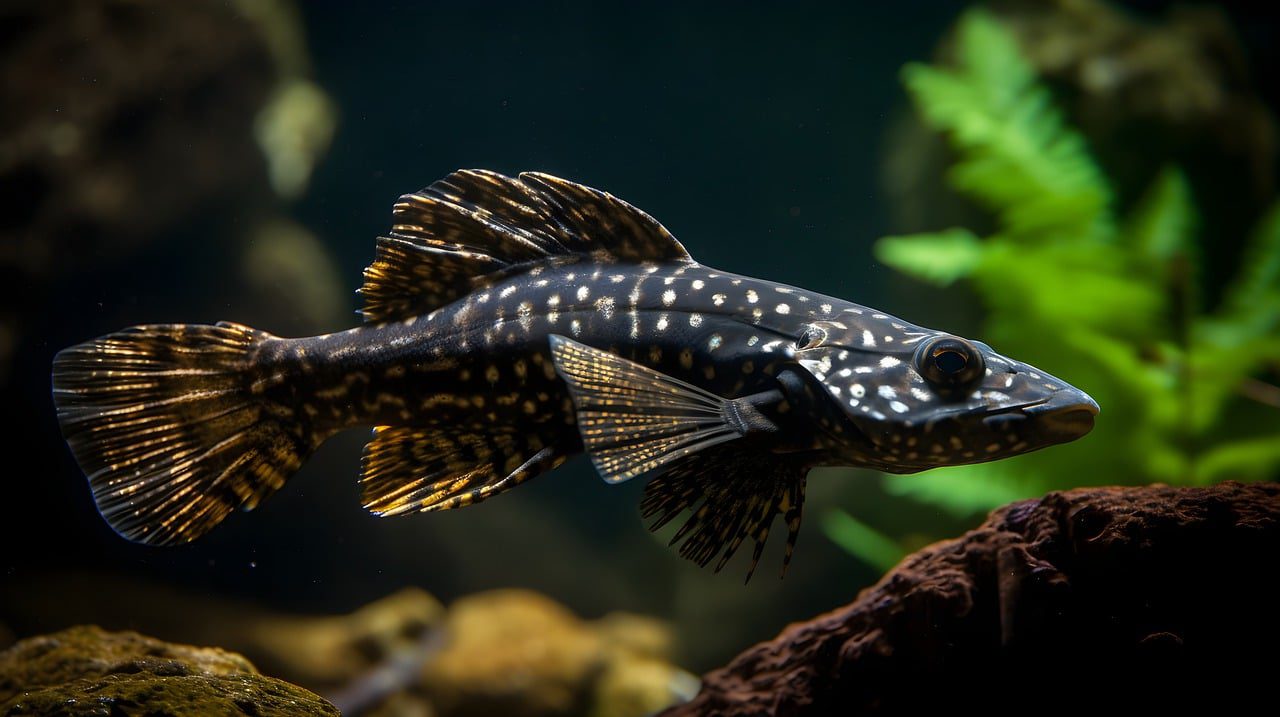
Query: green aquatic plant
{"type": "Point", "coordinates": [1109, 299]}
{"type": "Point", "coordinates": [870, 545]}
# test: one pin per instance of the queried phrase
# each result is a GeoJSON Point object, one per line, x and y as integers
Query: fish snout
{"type": "Point", "coordinates": [1067, 415]}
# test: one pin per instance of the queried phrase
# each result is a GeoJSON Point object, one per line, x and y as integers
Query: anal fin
{"type": "Point", "coordinates": [408, 469]}
{"type": "Point", "coordinates": [734, 494]}
{"type": "Point", "coordinates": [635, 421]}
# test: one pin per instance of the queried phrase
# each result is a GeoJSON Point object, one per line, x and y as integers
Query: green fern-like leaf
{"type": "Point", "coordinates": [966, 491]}
{"type": "Point", "coordinates": [1017, 156]}
{"type": "Point", "coordinates": [1064, 285]}
{"type": "Point", "coordinates": [1162, 226]}
{"type": "Point", "coordinates": [861, 540]}
{"type": "Point", "coordinates": [1240, 340]}
{"type": "Point", "coordinates": [1253, 298]}
{"type": "Point", "coordinates": [938, 258]}
{"type": "Point", "coordinates": [1187, 396]}
{"type": "Point", "coordinates": [1249, 460]}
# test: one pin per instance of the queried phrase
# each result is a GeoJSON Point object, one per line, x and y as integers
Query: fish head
{"type": "Point", "coordinates": [909, 399]}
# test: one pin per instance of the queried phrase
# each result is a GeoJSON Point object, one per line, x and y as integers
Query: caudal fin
{"type": "Point", "coordinates": [163, 422]}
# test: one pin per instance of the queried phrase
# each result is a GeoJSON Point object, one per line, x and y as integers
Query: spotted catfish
{"type": "Point", "coordinates": [512, 323]}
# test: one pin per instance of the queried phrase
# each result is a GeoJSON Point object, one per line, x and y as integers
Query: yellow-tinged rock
{"type": "Point", "coordinates": [88, 671]}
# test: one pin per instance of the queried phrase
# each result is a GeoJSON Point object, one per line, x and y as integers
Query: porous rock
{"type": "Point", "coordinates": [1090, 597]}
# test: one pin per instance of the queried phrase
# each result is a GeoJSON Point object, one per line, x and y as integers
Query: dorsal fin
{"type": "Point", "coordinates": [471, 224]}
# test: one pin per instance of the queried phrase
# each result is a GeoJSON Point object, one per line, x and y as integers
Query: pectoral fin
{"type": "Point", "coordinates": [635, 421]}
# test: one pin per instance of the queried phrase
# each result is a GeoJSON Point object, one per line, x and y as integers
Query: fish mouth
{"type": "Point", "coordinates": [1065, 416]}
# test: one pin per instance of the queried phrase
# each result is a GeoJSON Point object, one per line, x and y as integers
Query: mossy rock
{"type": "Point", "coordinates": [88, 671]}
{"type": "Point", "coordinates": [517, 653]}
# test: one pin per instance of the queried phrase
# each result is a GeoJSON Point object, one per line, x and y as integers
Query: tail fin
{"type": "Point", "coordinates": [163, 422]}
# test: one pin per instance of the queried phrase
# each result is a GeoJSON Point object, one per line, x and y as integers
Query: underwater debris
{"type": "Point", "coordinates": [392, 679]}
{"type": "Point", "coordinates": [1073, 596]}
{"type": "Point", "coordinates": [88, 671]}
{"type": "Point", "coordinates": [328, 653]}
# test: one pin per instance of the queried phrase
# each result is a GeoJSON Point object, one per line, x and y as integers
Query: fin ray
{"type": "Point", "coordinates": [161, 423]}
{"type": "Point", "coordinates": [634, 420]}
{"type": "Point", "coordinates": [407, 469]}
{"type": "Point", "coordinates": [732, 493]}
{"type": "Point", "coordinates": [450, 238]}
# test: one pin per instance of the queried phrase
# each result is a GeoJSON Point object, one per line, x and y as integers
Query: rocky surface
{"type": "Point", "coordinates": [518, 653]}
{"type": "Point", "coordinates": [327, 652]}
{"type": "Point", "coordinates": [87, 671]}
{"type": "Point", "coordinates": [1074, 598]}
{"type": "Point", "coordinates": [511, 652]}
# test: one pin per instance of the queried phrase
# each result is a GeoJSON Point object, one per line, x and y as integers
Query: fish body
{"type": "Point", "coordinates": [515, 322]}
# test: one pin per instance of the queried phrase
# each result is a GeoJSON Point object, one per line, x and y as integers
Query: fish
{"type": "Point", "coordinates": [511, 323]}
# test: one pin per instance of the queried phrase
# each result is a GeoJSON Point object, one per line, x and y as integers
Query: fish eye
{"type": "Point", "coordinates": [949, 363]}
{"type": "Point", "coordinates": [810, 338]}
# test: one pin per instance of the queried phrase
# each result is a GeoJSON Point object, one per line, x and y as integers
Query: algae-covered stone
{"type": "Point", "coordinates": [87, 671]}
{"type": "Point", "coordinates": [513, 652]}
{"type": "Point", "coordinates": [331, 651]}
{"type": "Point", "coordinates": [520, 654]}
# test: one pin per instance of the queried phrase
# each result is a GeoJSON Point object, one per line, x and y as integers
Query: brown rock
{"type": "Point", "coordinates": [1074, 598]}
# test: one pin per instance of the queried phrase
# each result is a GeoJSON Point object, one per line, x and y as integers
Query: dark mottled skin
{"type": "Point", "coordinates": [486, 360]}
